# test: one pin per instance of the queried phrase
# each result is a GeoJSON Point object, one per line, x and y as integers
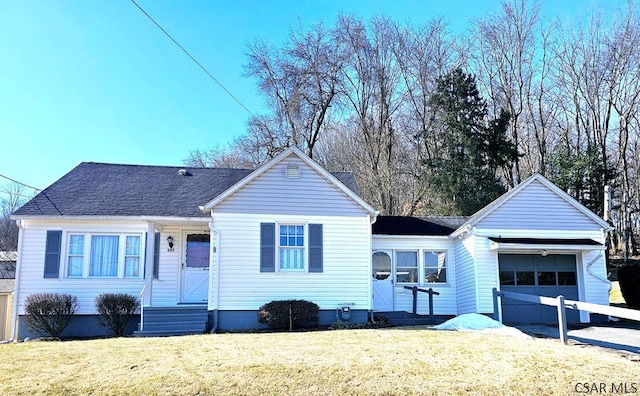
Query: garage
{"type": "Point", "coordinates": [547, 275]}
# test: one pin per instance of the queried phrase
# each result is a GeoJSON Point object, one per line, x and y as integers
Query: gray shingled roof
{"type": "Point", "coordinates": [99, 189]}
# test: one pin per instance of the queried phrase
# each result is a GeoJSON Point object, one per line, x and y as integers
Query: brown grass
{"type": "Point", "coordinates": [393, 361]}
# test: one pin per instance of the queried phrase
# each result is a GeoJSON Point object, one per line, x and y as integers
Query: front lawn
{"type": "Point", "coordinates": [381, 361]}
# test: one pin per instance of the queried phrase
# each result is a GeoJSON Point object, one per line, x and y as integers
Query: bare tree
{"type": "Point", "coordinates": [505, 45]}
{"type": "Point", "coordinates": [301, 82]}
{"type": "Point", "coordinates": [12, 197]}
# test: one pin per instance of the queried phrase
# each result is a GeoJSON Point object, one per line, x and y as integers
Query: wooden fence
{"type": "Point", "coordinates": [562, 305]}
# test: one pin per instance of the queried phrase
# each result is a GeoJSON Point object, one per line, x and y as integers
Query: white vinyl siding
{"type": "Point", "coordinates": [595, 289]}
{"type": "Point", "coordinates": [166, 289]}
{"type": "Point", "coordinates": [443, 304]}
{"type": "Point", "coordinates": [466, 275]}
{"type": "Point", "coordinates": [536, 207]}
{"type": "Point", "coordinates": [273, 193]}
{"type": "Point", "coordinates": [487, 274]}
{"type": "Point", "coordinates": [86, 289]}
{"type": "Point", "coordinates": [346, 264]}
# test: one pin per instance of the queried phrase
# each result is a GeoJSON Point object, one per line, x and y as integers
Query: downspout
{"type": "Point", "coordinates": [600, 278]}
{"type": "Point", "coordinates": [215, 250]}
{"type": "Point", "coordinates": [14, 315]}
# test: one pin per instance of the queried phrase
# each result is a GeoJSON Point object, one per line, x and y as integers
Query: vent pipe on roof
{"type": "Point", "coordinates": [184, 172]}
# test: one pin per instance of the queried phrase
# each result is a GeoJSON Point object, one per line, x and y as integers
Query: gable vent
{"type": "Point", "coordinates": [292, 172]}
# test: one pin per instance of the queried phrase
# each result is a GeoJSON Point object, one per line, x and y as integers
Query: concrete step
{"type": "Point", "coordinates": [167, 321]}
{"type": "Point", "coordinates": [197, 326]}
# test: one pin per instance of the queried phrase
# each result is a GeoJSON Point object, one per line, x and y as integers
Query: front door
{"type": "Point", "coordinates": [195, 268]}
{"type": "Point", "coordinates": [382, 281]}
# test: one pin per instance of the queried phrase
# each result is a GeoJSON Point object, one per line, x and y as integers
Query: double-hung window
{"type": "Point", "coordinates": [76, 255]}
{"type": "Point", "coordinates": [104, 256]}
{"type": "Point", "coordinates": [291, 248]}
{"type": "Point", "coordinates": [407, 267]}
{"type": "Point", "coordinates": [435, 267]}
{"type": "Point", "coordinates": [132, 256]}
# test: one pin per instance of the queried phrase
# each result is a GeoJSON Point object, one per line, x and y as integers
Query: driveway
{"type": "Point", "coordinates": [616, 337]}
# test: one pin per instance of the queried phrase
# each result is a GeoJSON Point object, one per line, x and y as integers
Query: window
{"type": "Point", "coordinates": [286, 247]}
{"type": "Point", "coordinates": [104, 256]}
{"type": "Point", "coordinates": [566, 278]}
{"type": "Point", "coordinates": [132, 257]}
{"type": "Point", "coordinates": [381, 265]}
{"type": "Point", "coordinates": [525, 278]}
{"type": "Point", "coordinates": [546, 278]}
{"type": "Point", "coordinates": [507, 278]}
{"type": "Point", "coordinates": [435, 267]}
{"type": "Point", "coordinates": [76, 255]}
{"type": "Point", "coordinates": [407, 267]}
{"type": "Point", "coordinates": [291, 248]}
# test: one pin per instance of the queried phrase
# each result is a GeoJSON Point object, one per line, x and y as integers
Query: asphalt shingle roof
{"type": "Point", "coordinates": [403, 225]}
{"type": "Point", "coordinates": [99, 189]}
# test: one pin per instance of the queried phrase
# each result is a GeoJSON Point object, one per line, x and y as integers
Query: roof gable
{"type": "Point", "coordinates": [332, 180]}
{"type": "Point", "coordinates": [535, 201]}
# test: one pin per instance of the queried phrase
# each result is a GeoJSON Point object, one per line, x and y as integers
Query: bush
{"type": "Point", "coordinates": [289, 314]}
{"type": "Point", "coordinates": [629, 278]}
{"type": "Point", "coordinates": [48, 314]}
{"type": "Point", "coordinates": [115, 310]}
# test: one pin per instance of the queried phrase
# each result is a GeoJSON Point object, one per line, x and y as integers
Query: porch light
{"type": "Point", "coordinates": [170, 241]}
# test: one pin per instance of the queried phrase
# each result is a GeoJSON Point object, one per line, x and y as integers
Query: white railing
{"type": "Point", "coordinates": [147, 284]}
{"type": "Point", "coordinates": [561, 304]}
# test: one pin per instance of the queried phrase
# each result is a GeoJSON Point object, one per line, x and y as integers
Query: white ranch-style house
{"type": "Point", "coordinates": [206, 247]}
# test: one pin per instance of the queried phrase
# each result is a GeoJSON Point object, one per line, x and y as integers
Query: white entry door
{"type": "Point", "coordinates": [382, 278]}
{"type": "Point", "coordinates": [195, 268]}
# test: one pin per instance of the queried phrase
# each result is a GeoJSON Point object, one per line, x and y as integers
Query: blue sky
{"type": "Point", "coordinates": [97, 81]}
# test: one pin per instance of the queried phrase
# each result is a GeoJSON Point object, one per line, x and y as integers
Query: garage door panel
{"type": "Point", "coordinates": [548, 276]}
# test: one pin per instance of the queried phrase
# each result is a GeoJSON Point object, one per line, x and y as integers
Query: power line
{"type": "Point", "coordinates": [22, 184]}
{"type": "Point", "coordinates": [193, 59]}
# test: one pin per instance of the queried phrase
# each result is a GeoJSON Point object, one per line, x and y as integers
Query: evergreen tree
{"type": "Point", "coordinates": [464, 170]}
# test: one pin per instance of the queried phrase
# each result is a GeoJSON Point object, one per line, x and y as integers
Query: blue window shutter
{"type": "Point", "coordinates": [52, 254]}
{"type": "Point", "coordinates": [156, 256]}
{"type": "Point", "coordinates": [315, 247]}
{"type": "Point", "coordinates": [267, 247]}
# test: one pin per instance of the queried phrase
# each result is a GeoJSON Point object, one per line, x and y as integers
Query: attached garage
{"type": "Point", "coordinates": [547, 275]}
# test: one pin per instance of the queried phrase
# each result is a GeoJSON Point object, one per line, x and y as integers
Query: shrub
{"type": "Point", "coordinates": [289, 314]}
{"type": "Point", "coordinates": [115, 310]}
{"type": "Point", "coordinates": [49, 313]}
{"type": "Point", "coordinates": [629, 278]}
